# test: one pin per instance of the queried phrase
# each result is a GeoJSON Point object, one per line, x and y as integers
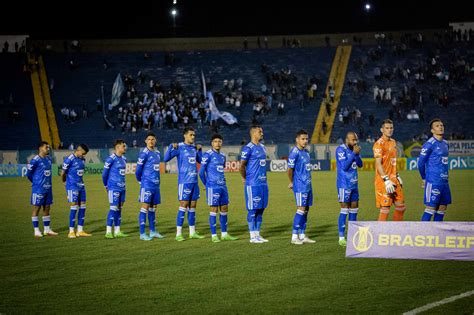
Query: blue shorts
{"type": "Point", "coordinates": [116, 197]}
{"type": "Point", "coordinates": [347, 195]}
{"type": "Point", "coordinates": [304, 198]}
{"type": "Point", "coordinates": [217, 196]}
{"type": "Point", "coordinates": [256, 197]}
{"type": "Point", "coordinates": [42, 199]}
{"type": "Point", "coordinates": [150, 196]}
{"type": "Point", "coordinates": [188, 192]}
{"type": "Point", "coordinates": [437, 194]}
{"type": "Point", "coordinates": [75, 196]}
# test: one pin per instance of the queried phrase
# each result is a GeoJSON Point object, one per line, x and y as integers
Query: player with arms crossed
{"type": "Point", "coordinates": [187, 155]}
{"type": "Point", "coordinates": [72, 174]}
{"type": "Point", "coordinates": [388, 184]}
{"type": "Point", "coordinates": [299, 174]}
{"type": "Point", "coordinates": [39, 174]}
{"type": "Point", "coordinates": [433, 168]}
{"type": "Point", "coordinates": [253, 169]}
{"type": "Point", "coordinates": [148, 176]}
{"type": "Point", "coordinates": [113, 178]}
{"type": "Point", "coordinates": [347, 161]}
{"type": "Point", "coordinates": [212, 176]}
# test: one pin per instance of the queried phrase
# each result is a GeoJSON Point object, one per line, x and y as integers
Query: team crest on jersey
{"type": "Point", "coordinates": [192, 160]}
{"type": "Point", "coordinates": [80, 172]}
{"type": "Point", "coordinates": [47, 173]}
{"type": "Point", "coordinates": [122, 171]}
{"type": "Point", "coordinates": [156, 167]}
{"type": "Point", "coordinates": [220, 168]}
{"type": "Point", "coordinates": [444, 160]}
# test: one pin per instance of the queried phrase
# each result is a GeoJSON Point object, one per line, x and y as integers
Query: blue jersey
{"type": "Point", "coordinates": [347, 162]}
{"type": "Point", "coordinates": [212, 169]}
{"type": "Point", "coordinates": [299, 161]}
{"type": "Point", "coordinates": [113, 175]}
{"type": "Point", "coordinates": [148, 168]}
{"type": "Point", "coordinates": [74, 166]}
{"type": "Point", "coordinates": [433, 161]}
{"type": "Point", "coordinates": [39, 174]}
{"type": "Point", "coordinates": [187, 155]}
{"type": "Point", "coordinates": [256, 172]}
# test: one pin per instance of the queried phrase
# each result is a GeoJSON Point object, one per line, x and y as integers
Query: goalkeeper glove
{"type": "Point", "coordinates": [399, 180]}
{"type": "Point", "coordinates": [389, 185]}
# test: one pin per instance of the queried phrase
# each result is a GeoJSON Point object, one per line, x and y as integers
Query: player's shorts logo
{"type": "Point", "coordinates": [122, 172]}
{"type": "Point", "coordinates": [156, 167]}
{"type": "Point", "coordinates": [363, 239]}
{"type": "Point", "coordinates": [444, 160]}
{"type": "Point", "coordinates": [435, 192]}
{"type": "Point", "coordinates": [256, 199]}
{"type": "Point", "coordinates": [47, 173]}
{"type": "Point", "coordinates": [80, 172]}
{"type": "Point", "coordinates": [187, 191]}
{"type": "Point", "coordinates": [263, 162]}
{"type": "Point", "coordinates": [191, 160]}
{"type": "Point", "coordinates": [220, 168]}
{"type": "Point", "coordinates": [116, 194]}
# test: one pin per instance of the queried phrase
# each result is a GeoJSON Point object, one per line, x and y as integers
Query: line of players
{"type": "Point", "coordinates": [432, 164]}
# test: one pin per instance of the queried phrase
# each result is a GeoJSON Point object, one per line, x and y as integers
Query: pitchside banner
{"type": "Point", "coordinates": [411, 240]}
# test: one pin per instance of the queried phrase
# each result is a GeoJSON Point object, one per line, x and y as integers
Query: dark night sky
{"type": "Point", "coordinates": [147, 18]}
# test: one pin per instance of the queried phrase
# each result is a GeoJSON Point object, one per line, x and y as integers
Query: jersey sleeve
{"type": "Point", "coordinates": [142, 157]}
{"type": "Point", "coordinates": [199, 155]}
{"type": "Point", "coordinates": [378, 150]}
{"type": "Point", "coordinates": [66, 164]}
{"type": "Point", "coordinates": [246, 152]}
{"type": "Point", "coordinates": [203, 169]}
{"type": "Point", "coordinates": [292, 158]}
{"type": "Point", "coordinates": [171, 153]}
{"type": "Point", "coordinates": [423, 159]}
{"type": "Point", "coordinates": [31, 167]}
{"type": "Point", "coordinates": [105, 174]}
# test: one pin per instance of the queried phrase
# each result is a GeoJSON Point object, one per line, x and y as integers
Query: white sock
{"type": "Point", "coordinates": [71, 230]}
{"type": "Point", "coordinates": [47, 229]}
{"type": "Point", "coordinates": [116, 229]}
{"type": "Point", "coordinates": [302, 236]}
{"type": "Point", "coordinates": [37, 230]}
{"type": "Point", "coordinates": [341, 238]}
{"type": "Point", "coordinates": [192, 229]}
{"type": "Point", "coordinates": [109, 229]}
{"type": "Point", "coordinates": [257, 233]}
{"type": "Point", "coordinates": [294, 237]}
{"type": "Point", "coordinates": [179, 230]}
{"type": "Point", "coordinates": [223, 234]}
{"type": "Point", "coordinates": [213, 235]}
{"type": "Point", "coordinates": [252, 234]}
{"type": "Point", "coordinates": [79, 228]}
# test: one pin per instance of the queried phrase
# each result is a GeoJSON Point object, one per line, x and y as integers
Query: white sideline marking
{"type": "Point", "coordinates": [441, 302]}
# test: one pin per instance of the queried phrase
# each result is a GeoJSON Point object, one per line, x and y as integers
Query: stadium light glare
{"type": "Point", "coordinates": [175, 1]}
{"type": "Point", "coordinates": [367, 6]}
{"type": "Point", "coordinates": [174, 12]}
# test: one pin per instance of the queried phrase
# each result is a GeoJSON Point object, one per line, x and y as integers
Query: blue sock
{"type": "Point", "coordinates": [342, 221]}
{"type": "Point", "coordinates": [439, 216]}
{"type": "Point", "coordinates": [192, 217]}
{"type": "Point", "coordinates": [427, 214]}
{"type": "Point", "coordinates": [111, 216]}
{"type": "Point", "coordinates": [72, 216]}
{"type": "Point", "coordinates": [297, 220]}
{"type": "Point", "coordinates": [180, 217]}
{"type": "Point", "coordinates": [303, 223]}
{"type": "Point", "coordinates": [142, 220]}
{"type": "Point", "coordinates": [259, 219]}
{"type": "Point", "coordinates": [118, 217]}
{"type": "Point", "coordinates": [353, 214]}
{"type": "Point", "coordinates": [212, 222]}
{"type": "Point", "coordinates": [151, 218]}
{"type": "Point", "coordinates": [223, 221]}
{"type": "Point", "coordinates": [35, 222]}
{"type": "Point", "coordinates": [47, 220]}
{"type": "Point", "coordinates": [81, 216]}
{"type": "Point", "coordinates": [251, 220]}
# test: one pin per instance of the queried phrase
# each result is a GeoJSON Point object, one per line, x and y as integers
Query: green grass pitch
{"type": "Point", "coordinates": [95, 275]}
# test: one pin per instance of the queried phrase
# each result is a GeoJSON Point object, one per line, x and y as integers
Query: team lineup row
{"type": "Point", "coordinates": [432, 165]}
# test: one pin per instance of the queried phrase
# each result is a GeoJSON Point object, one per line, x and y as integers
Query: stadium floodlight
{"type": "Point", "coordinates": [175, 1]}
{"type": "Point", "coordinates": [367, 7]}
{"type": "Point", "coordinates": [174, 12]}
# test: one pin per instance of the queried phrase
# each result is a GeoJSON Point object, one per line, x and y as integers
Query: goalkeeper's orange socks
{"type": "Point", "coordinates": [383, 215]}
{"type": "Point", "coordinates": [399, 212]}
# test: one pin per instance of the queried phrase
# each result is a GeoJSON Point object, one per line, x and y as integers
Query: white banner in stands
{"type": "Point", "coordinates": [461, 147]}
